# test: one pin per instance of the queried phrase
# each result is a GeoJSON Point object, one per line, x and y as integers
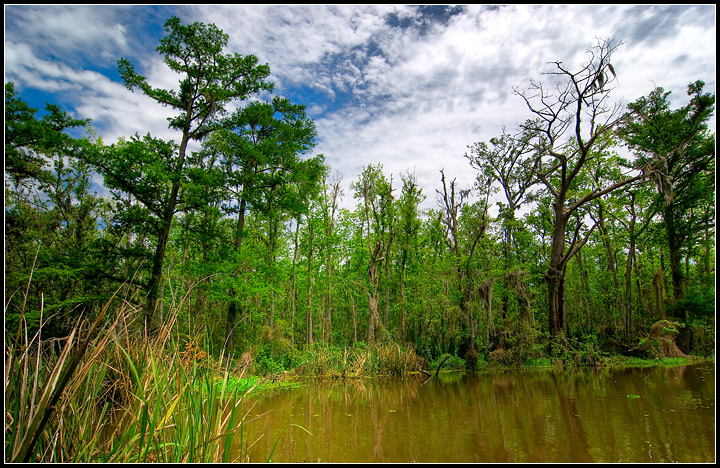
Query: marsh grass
{"type": "Point", "coordinates": [115, 396]}
{"type": "Point", "coordinates": [358, 361]}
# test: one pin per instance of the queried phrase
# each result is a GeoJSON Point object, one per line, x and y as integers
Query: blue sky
{"type": "Point", "coordinates": [409, 87]}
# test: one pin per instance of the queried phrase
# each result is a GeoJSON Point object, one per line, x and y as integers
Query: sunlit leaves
{"type": "Point", "coordinates": [210, 80]}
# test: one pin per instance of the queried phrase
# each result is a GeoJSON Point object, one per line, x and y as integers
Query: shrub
{"type": "Point", "coordinates": [452, 362]}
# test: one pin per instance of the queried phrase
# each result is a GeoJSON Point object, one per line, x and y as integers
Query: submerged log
{"type": "Point", "coordinates": [440, 365]}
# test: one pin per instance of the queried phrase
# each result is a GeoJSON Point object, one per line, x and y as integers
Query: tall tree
{"type": "Point", "coordinates": [51, 217]}
{"type": "Point", "coordinates": [375, 191]}
{"type": "Point", "coordinates": [262, 152]}
{"type": "Point", "coordinates": [210, 80]}
{"type": "Point", "coordinates": [677, 151]}
{"type": "Point", "coordinates": [30, 143]}
{"type": "Point", "coordinates": [409, 225]}
{"type": "Point", "coordinates": [567, 128]}
{"type": "Point", "coordinates": [463, 249]}
{"type": "Point", "coordinates": [329, 200]}
{"type": "Point", "coordinates": [507, 161]}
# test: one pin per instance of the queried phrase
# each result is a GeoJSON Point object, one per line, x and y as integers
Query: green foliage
{"type": "Point", "coordinates": [581, 352]}
{"type": "Point", "coordinates": [676, 151]}
{"type": "Point", "coordinates": [696, 303]}
{"type": "Point", "coordinates": [451, 362]}
{"type": "Point", "coordinates": [209, 79]}
{"type": "Point", "coordinates": [29, 140]}
{"type": "Point", "coordinates": [275, 355]}
{"type": "Point", "coordinates": [51, 221]}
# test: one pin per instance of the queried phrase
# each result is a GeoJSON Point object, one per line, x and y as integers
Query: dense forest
{"type": "Point", "coordinates": [136, 322]}
{"type": "Point", "coordinates": [588, 223]}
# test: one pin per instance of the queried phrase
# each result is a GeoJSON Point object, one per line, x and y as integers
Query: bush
{"type": "Point", "coordinates": [574, 352]}
{"type": "Point", "coordinates": [696, 303]}
{"type": "Point", "coordinates": [697, 338]}
{"type": "Point", "coordinates": [275, 356]}
{"type": "Point", "coordinates": [453, 362]}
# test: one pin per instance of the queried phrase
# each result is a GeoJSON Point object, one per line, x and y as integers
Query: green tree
{"type": "Point", "coordinates": [677, 152]}
{"type": "Point", "coordinates": [376, 208]}
{"type": "Point", "coordinates": [261, 152]}
{"type": "Point", "coordinates": [51, 219]}
{"type": "Point", "coordinates": [210, 80]}
{"type": "Point", "coordinates": [328, 204]}
{"type": "Point", "coordinates": [507, 161]}
{"type": "Point", "coordinates": [30, 143]}
{"type": "Point", "coordinates": [138, 172]}
{"type": "Point", "coordinates": [462, 237]}
{"type": "Point", "coordinates": [408, 232]}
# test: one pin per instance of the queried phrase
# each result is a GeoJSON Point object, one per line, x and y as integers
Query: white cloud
{"type": "Point", "coordinates": [405, 87]}
{"type": "Point", "coordinates": [83, 31]}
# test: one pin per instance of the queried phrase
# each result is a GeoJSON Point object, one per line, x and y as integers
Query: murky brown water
{"type": "Point", "coordinates": [631, 415]}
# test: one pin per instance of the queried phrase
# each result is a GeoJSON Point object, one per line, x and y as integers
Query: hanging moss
{"type": "Point", "coordinates": [660, 342]}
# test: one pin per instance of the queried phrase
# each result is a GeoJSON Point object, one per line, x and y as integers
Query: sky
{"type": "Point", "coordinates": [407, 87]}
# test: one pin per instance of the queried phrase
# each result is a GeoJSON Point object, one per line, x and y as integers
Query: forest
{"type": "Point", "coordinates": [589, 232]}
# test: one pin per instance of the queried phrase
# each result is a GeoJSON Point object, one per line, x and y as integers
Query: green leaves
{"type": "Point", "coordinates": [28, 139]}
{"type": "Point", "coordinates": [209, 79]}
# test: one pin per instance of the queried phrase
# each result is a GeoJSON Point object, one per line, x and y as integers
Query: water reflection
{"type": "Point", "coordinates": [631, 415]}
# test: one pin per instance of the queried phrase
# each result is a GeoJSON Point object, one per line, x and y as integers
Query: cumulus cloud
{"type": "Point", "coordinates": [406, 86]}
{"type": "Point", "coordinates": [82, 31]}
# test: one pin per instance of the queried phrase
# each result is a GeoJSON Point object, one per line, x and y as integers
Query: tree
{"type": "Point", "coordinates": [463, 248]}
{"type": "Point", "coordinates": [210, 80]}
{"type": "Point", "coordinates": [508, 162]}
{"type": "Point", "coordinates": [261, 153]}
{"type": "Point", "coordinates": [677, 152]}
{"type": "Point", "coordinates": [31, 143]}
{"type": "Point", "coordinates": [51, 218]}
{"type": "Point", "coordinates": [375, 191]}
{"type": "Point", "coordinates": [409, 225]}
{"type": "Point", "coordinates": [329, 200]}
{"type": "Point", "coordinates": [567, 131]}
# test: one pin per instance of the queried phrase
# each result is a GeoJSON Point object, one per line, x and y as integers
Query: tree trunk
{"type": "Point", "coordinates": [675, 241]}
{"type": "Point", "coordinates": [373, 295]}
{"type": "Point", "coordinates": [156, 276]}
{"type": "Point", "coordinates": [629, 268]}
{"type": "Point", "coordinates": [658, 282]}
{"type": "Point", "coordinates": [272, 308]}
{"type": "Point", "coordinates": [555, 274]}
{"type": "Point", "coordinates": [328, 305]}
{"type": "Point", "coordinates": [308, 312]}
{"type": "Point", "coordinates": [676, 268]}
{"type": "Point", "coordinates": [373, 317]}
{"type": "Point", "coordinates": [354, 317]}
{"type": "Point", "coordinates": [232, 307]}
{"type": "Point", "coordinates": [293, 288]}
{"type": "Point", "coordinates": [556, 303]}
{"type": "Point", "coordinates": [612, 262]}
{"type": "Point", "coordinates": [229, 325]}
{"type": "Point", "coordinates": [585, 292]}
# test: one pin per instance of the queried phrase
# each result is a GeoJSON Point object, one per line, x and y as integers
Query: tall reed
{"type": "Point", "coordinates": [117, 397]}
{"type": "Point", "coordinates": [360, 360]}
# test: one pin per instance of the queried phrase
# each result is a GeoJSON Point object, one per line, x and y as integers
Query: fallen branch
{"type": "Point", "coordinates": [440, 365]}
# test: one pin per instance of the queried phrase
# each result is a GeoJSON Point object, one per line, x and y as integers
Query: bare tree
{"type": "Point", "coordinates": [570, 121]}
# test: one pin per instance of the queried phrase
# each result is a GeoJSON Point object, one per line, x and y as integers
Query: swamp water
{"type": "Point", "coordinates": [612, 415]}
